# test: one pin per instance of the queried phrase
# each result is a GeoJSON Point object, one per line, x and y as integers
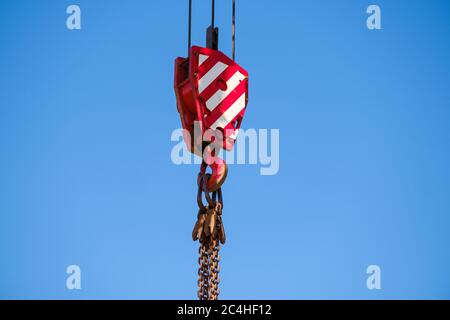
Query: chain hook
{"type": "Point", "coordinates": [218, 175]}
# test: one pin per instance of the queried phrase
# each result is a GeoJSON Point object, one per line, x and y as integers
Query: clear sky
{"type": "Point", "coordinates": [86, 176]}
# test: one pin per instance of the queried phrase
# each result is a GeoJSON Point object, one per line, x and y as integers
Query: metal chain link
{"type": "Point", "coordinates": [203, 277]}
{"type": "Point", "coordinates": [214, 270]}
{"type": "Point", "coordinates": [210, 233]}
{"type": "Point", "coordinates": [209, 269]}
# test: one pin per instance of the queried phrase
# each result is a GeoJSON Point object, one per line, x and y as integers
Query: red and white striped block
{"type": "Point", "coordinates": [221, 89]}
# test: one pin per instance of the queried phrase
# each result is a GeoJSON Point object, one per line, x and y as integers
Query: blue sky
{"type": "Point", "coordinates": [86, 176]}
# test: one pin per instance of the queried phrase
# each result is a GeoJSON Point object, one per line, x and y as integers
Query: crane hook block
{"type": "Point", "coordinates": [212, 91]}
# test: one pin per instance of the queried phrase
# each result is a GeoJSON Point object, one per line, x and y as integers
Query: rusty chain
{"type": "Point", "coordinates": [210, 232]}
{"type": "Point", "coordinates": [203, 284]}
{"type": "Point", "coordinates": [214, 270]}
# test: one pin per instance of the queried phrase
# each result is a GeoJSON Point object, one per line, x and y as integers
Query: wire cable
{"type": "Point", "coordinates": [233, 30]}
{"type": "Point", "coordinates": [189, 27]}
